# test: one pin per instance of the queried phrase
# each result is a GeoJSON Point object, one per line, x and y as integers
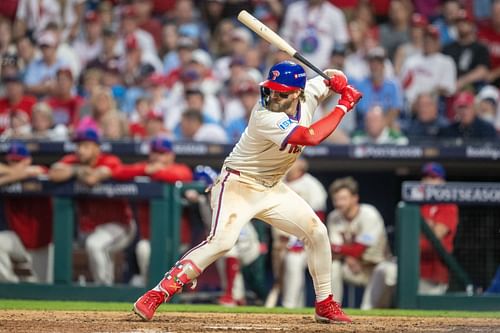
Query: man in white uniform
{"type": "Point", "coordinates": [358, 237]}
{"type": "Point", "coordinates": [250, 184]}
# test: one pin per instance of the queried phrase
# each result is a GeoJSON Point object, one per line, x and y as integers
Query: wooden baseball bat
{"type": "Point", "coordinates": [273, 38]}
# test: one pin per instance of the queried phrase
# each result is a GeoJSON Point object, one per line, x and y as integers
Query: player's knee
{"type": "Point", "coordinates": [92, 245]}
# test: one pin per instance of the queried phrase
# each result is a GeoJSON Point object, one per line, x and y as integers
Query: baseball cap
{"type": "Point", "coordinates": [185, 43]}
{"type": "Point", "coordinates": [242, 34]}
{"type": "Point", "coordinates": [432, 31]}
{"type": "Point", "coordinates": [418, 20]}
{"type": "Point", "coordinates": [128, 11]}
{"type": "Point", "coordinates": [464, 15]}
{"type": "Point", "coordinates": [86, 134]}
{"type": "Point", "coordinates": [433, 169]}
{"type": "Point", "coordinates": [464, 98]}
{"type": "Point", "coordinates": [152, 115]}
{"type": "Point", "coordinates": [377, 52]}
{"type": "Point", "coordinates": [91, 16]}
{"type": "Point", "coordinates": [201, 57]}
{"type": "Point", "coordinates": [47, 39]}
{"type": "Point", "coordinates": [160, 145]}
{"type": "Point", "coordinates": [17, 151]}
{"type": "Point", "coordinates": [65, 71]}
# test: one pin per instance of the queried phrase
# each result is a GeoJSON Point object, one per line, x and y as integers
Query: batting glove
{"type": "Point", "coordinates": [337, 82]}
{"type": "Point", "coordinates": [349, 97]}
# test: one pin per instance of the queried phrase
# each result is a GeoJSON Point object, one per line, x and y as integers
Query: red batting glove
{"type": "Point", "coordinates": [349, 97]}
{"type": "Point", "coordinates": [337, 82]}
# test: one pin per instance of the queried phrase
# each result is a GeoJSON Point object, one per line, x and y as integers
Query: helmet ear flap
{"type": "Point", "coordinates": [265, 94]}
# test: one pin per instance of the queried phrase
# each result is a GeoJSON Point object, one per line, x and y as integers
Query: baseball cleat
{"type": "Point", "coordinates": [147, 304]}
{"type": "Point", "coordinates": [329, 311]}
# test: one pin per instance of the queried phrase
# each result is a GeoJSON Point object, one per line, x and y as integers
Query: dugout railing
{"type": "Point", "coordinates": [165, 212]}
{"type": "Point", "coordinates": [409, 226]}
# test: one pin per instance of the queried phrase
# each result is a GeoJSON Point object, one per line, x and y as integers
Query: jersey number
{"type": "Point", "coordinates": [294, 149]}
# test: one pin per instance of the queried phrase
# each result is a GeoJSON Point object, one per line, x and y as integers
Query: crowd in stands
{"type": "Point", "coordinates": [187, 69]}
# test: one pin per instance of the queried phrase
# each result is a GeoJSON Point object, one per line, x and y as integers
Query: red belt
{"type": "Point", "coordinates": [230, 170]}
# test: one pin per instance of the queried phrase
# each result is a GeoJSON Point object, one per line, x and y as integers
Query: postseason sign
{"type": "Point", "coordinates": [451, 192]}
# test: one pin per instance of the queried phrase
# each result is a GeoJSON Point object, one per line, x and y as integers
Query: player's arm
{"type": "Point", "coordinates": [355, 250]}
{"type": "Point", "coordinates": [129, 172]}
{"type": "Point", "coordinates": [61, 172]}
{"type": "Point", "coordinates": [18, 173]}
{"type": "Point", "coordinates": [321, 129]}
{"type": "Point", "coordinates": [173, 174]}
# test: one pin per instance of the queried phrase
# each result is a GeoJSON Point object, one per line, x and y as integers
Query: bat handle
{"type": "Point", "coordinates": [299, 56]}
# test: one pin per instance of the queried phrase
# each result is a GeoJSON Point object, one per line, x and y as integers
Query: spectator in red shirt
{"type": "Point", "coordinates": [489, 35]}
{"type": "Point", "coordinates": [30, 218]}
{"type": "Point", "coordinates": [161, 166]}
{"type": "Point", "coordinates": [65, 104]}
{"type": "Point", "coordinates": [443, 220]}
{"type": "Point", "coordinates": [105, 226]}
{"type": "Point", "coordinates": [15, 99]}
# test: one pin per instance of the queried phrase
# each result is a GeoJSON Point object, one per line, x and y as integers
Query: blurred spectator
{"type": "Point", "coordinates": [377, 131]}
{"type": "Point", "coordinates": [6, 46]}
{"type": "Point", "coordinates": [43, 126]}
{"type": "Point", "coordinates": [432, 71]}
{"type": "Point", "coordinates": [109, 52]}
{"type": "Point", "coordinates": [138, 64]}
{"type": "Point", "coordinates": [168, 49]}
{"type": "Point", "coordinates": [114, 126]}
{"type": "Point", "coordinates": [247, 96]}
{"type": "Point", "coordinates": [471, 57]}
{"type": "Point", "coordinates": [129, 28]}
{"type": "Point", "coordinates": [160, 166]}
{"type": "Point", "coordinates": [145, 20]}
{"type": "Point", "coordinates": [313, 27]}
{"type": "Point", "coordinates": [446, 24]}
{"type": "Point", "coordinates": [20, 127]}
{"type": "Point", "coordinates": [426, 122]}
{"type": "Point", "coordinates": [468, 125]}
{"type": "Point", "coordinates": [397, 30]}
{"type": "Point", "coordinates": [33, 16]}
{"type": "Point", "coordinates": [443, 221]}
{"type": "Point", "coordinates": [187, 18]}
{"type": "Point", "coordinates": [41, 73]}
{"type": "Point", "coordinates": [138, 118]}
{"type": "Point", "coordinates": [193, 127]}
{"type": "Point", "coordinates": [65, 51]}
{"type": "Point", "coordinates": [101, 103]}
{"type": "Point", "coordinates": [488, 100]}
{"type": "Point", "coordinates": [15, 99]}
{"type": "Point", "coordinates": [105, 226]}
{"type": "Point", "coordinates": [357, 236]}
{"type": "Point", "coordinates": [64, 102]}
{"type": "Point", "coordinates": [154, 125]}
{"type": "Point", "coordinates": [221, 39]}
{"type": "Point", "coordinates": [489, 35]}
{"type": "Point", "coordinates": [241, 42]}
{"type": "Point", "coordinates": [416, 43]}
{"type": "Point", "coordinates": [89, 45]}
{"type": "Point", "coordinates": [29, 217]}
{"type": "Point", "coordinates": [27, 52]}
{"type": "Point", "coordinates": [379, 90]}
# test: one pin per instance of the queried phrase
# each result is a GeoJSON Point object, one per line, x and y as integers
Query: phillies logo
{"type": "Point", "coordinates": [275, 74]}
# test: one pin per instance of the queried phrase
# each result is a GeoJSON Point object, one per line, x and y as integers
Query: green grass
{"type": "Point", "coordinates": [6, 304]}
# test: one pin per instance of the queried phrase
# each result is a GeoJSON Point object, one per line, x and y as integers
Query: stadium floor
{"type": "Point", "coordinates": [21, 321]}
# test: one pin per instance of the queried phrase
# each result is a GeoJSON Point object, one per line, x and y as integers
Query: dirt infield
{"type": "Point", "coordinates": [60, 321]}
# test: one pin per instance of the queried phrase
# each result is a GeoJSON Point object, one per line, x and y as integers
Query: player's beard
{"type": "Point", "coordinates": [282, 106]}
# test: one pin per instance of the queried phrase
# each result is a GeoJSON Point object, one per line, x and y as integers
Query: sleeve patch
{"type": "Point", "coordinates": [283, 124]}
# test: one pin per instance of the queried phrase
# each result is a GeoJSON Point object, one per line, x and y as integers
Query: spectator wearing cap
{"type": "Point", "coordinates": [138, 64]}
{"type": "Point", "coordinates": [468, 126]}
{"type": "Point", "coordinates": [471, 57]}
{"type": "Point", "coordinates": [377, 131]}
{"type": "Point", "coordinates": [89, 45]}
{"type": "Point", "coordinates": [43, 126]}
{"type": "Point", "coordinates": [246, 97]}
{"type": "Point", "coordinates": [29, 218]}
{"type": "Point", "coordinates": [110, 52]}
{"type": "Point", "coordinates": [160, 166]}
{"type": "Point", "coordinates": [379, 90]}
{"type": "Point", "coordinates": [313, 28]}
{"type": "Point", "coordinates": [489, 35]}
{"type": "Point", "coordinates": [414, 45]}
{"type": "Point", "coordinates": [443, 221]}
{"type": "Point", "coordinates": [426, 121]}
{"type": "Point", "coordinates": [64, 102]}
{"type": "Point", "coordinates": [146, 21]}
{"type": "Point", "coordinates": [431, 71]}
{"type": "Point", "coordinates": [446, 23]}
{"type": "Point", "coordinates": [138, 118]}
{"type": "Point", "coordinates": [15, 99]}
{"type": "Point", "coordinates": [175, 61]}
{"type": "Point", "coordinates": [241, 42]}
{"type": "Point", "coordinates": [41, 74]}
{"type": "Point", "coordinates": [105, 226]}
{"type": "Point", "coordinates": [129, 27]}
{"type": "Point", "coordinates": [155, 125]}
{"type": "Point", "coordinates": [193, 128]}
{"type": "Point", "coordinates": [488, 106]}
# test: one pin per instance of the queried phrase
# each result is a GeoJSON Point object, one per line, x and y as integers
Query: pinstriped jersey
{"type": "Point", "coordinates": [263, 151]}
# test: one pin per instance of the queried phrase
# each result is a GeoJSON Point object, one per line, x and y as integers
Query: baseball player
{"type": "Point", "coordinates": [161, 166]}
{"type": "Point", "coordinates": [250, 184]}
{"type": "Point", "coordinates": [29, 218]}
{"type": "Point", "coordinates": [358, 237]}
{"type": "Point", "coordinates": [105, 225]}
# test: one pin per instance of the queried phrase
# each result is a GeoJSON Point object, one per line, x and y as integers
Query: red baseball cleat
{"type": "Point", "coordinates": [329, 311]}
{"type": "Point", "coordinates": [147, 304]}
{"type": "Point", "coordinates": [227, 300]}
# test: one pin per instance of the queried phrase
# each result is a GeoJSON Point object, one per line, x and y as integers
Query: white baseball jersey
{"type": "Point", "coordinates": [262, 152]}
{"type": "Point", "coordinates": [366, 228]}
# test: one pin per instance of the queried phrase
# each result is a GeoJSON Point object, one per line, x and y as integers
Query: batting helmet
{"type": "Point", "coordinates": [204, 174]}
{"type": "Point", "coordinates": [285, 76]}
